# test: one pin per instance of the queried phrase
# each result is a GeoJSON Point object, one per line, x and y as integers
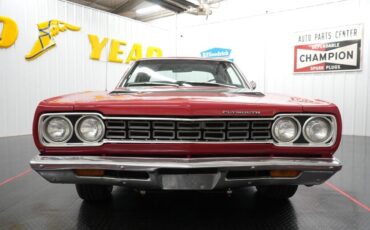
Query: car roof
{"type": "Point", "coordinates": [184, 58]}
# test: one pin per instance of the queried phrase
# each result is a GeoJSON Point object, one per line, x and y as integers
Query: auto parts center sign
{"type": "Point", "coordinates": [328, 50]}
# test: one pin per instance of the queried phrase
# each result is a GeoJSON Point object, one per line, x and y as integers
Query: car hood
{"type": "Point", "coordinates": [197, 101]}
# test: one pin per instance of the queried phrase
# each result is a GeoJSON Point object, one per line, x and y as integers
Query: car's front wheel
{"type": "Point", "coordinates": [93, 192]}
{"type": "Point", "coordinates": [277, 191]}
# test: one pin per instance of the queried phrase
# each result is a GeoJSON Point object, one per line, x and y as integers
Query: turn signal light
{"type": "Point", "coordinates": [89, 172]}
{"type": "Point", "coordinates": [284, 173]}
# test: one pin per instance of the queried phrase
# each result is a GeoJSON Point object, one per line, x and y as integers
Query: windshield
{"type": "Point", "coordinates": [184, 73]}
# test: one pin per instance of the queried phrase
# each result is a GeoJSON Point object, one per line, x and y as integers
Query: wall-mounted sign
{"type": "Point", "coordinates": [46, 40]}
{"type": "Point", "coordinates": [333, 49]}
{"type": "Point", "coordinates": [9, 32]}
{"type": "Point", "coordinates": [136, 51]}
{"type": "Point", "coordinates": [217, 53]}
{"type": "Point", "coordinates": [47, 31]}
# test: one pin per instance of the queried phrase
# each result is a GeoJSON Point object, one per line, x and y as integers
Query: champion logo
{"type": "Point", "coordinates": [343, 55]}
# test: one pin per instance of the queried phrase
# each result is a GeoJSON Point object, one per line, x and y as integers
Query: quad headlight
{"type": "Point", "coordinates": [57, 129]}
{"type": "Point", "coordinates": [89, 129]}
{"type": "Point", "coordinates": [286, 129]}
{"type": "Point", "coordinates": [317, 130]}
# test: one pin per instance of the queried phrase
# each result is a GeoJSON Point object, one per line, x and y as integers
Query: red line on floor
{"type": "Point", "coordinates": [354, 200]}
{"type": "Point", "coordinates": [24, 173]}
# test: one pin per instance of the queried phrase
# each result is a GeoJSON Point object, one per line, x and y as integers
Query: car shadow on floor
{"type": "Point", "coordinates": [187, 210]}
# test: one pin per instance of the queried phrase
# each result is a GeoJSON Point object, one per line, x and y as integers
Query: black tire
{"type": "Point", "coordinates": [93, 192]}
{"type": "Point", "coordinates": [279, 192]}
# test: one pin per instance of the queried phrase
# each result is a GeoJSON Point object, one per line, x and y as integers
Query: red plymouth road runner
{"type": "Point", "coordinates": [185, 124]}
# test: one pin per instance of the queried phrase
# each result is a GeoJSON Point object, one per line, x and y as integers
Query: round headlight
{"type": "Point", "coordinates": [58, 129]}
{"type": "Point", "coordinates": [317, 130]}
{"type": "Point", "coordinates": [286, 129]}
{"type": "Point", "coordinates": [90, 129]}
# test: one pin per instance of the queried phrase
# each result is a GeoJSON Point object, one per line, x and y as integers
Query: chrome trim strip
{"type": "Point", "coordinates": [241, 76]}
{"type": "Point", "coordinates": [184, 142]}
{"type": "Point", "coordinates": [125, 74]}
{"type": "Point", "coordinates": [105, 141]}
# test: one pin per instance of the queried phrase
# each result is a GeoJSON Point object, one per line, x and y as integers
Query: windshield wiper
{"type": "Point", "coordinates": [150, 83]}
{"type": "Point", "coordinates": [179, 83]}
{"type": "Point", "coordinates": [205, 84]}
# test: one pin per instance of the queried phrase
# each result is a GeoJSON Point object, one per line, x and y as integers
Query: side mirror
{"type": "Point", "coordinates": [253, 85]}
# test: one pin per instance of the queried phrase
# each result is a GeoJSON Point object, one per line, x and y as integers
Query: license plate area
{"type": "Point", "coordinates": [189, 181]}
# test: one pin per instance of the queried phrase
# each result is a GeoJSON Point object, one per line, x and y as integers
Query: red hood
{"type": "Point", "coordinates": [202, 101]}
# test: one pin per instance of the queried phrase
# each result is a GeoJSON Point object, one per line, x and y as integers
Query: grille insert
{"type": "Point", "coordinates": [189, 135]}
{"type": "Point", "coordinates": [163, 125]}
{"type": "Point", "coordinates": [261, 135]}
{"type": "Point", "coordinates": [116, 134]}
{"type": "Point", "coordinates": [115, 124]}
{"type": "Point", "coordinates": [164, 134]}
{"type": "Point", "coordinates": [214, 135]}
{"type": "Point", "coordinates": [214, 125]}
{"type": "Point", "coordinates": [139, 124]}
{"type": "Point", "coordinates": [188, 125]}
{"type": "Point", "coordinates": [139, 134]}
{"type": "Point", "coordinates": [261, 125]}
{"type": "Point", "coordinates": [238, 135]}
{"type": "Point", "coordinates": [238, 125]}
{"type": "Point", "coordinates": [227, 130]}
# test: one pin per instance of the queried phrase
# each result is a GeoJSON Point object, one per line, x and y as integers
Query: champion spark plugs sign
{"type": "Point", "coordinates": [333, 49]}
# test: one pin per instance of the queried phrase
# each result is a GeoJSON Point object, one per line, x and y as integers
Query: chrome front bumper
{"type": "Point", "coordinates": [185, 173]}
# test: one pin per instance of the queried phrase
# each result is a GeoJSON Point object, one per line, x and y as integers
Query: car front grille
{"type": "Point", "coordinates": [188, 129]}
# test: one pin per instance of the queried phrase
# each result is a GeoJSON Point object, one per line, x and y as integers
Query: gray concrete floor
{"type": "Point", "coordinates": [29, 202]}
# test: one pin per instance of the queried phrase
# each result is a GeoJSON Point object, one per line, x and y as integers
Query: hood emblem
{"type": "Point", "coordinates": [241, 112]}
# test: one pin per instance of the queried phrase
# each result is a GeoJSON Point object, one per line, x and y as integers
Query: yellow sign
{"type": "Point", "coordinates": [97, 46]}
{"type": "Point", "coordinates": [46, 40]}
{"type": "Point", "coordinates": [136, 51]}
{"type": "Point", "coordinates": [10, 32]}
{"type": "Point", "coordinates": [115, 50]}
{"type": "Point", "coordinates": [47, 31]}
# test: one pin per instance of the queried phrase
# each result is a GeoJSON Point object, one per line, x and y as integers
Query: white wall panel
{"type": "Point", "coordinates": [246, 43]}
{"type": "Point", "coordinates": [66, 68]}
{"type": "Point", "coordinates": [262, 38]}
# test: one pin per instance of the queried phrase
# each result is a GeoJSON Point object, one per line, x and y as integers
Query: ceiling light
{"type": "Point", "coordinates": [195, 2]}
{"type": "Point", "coordinates": [149, 10]}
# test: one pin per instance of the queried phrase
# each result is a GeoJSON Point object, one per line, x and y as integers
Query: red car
{"type": "Point", "coordinates": [185, 124]}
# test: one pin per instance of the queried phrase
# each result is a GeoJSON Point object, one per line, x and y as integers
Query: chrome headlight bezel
{"type": "Point", "coordinates": [46, 135]}
{"type": "Point", "coordinates": [78, 131]}
{"type": "Point", "coordinates": [328, 138]}
{"type": "Point", "coordinates": [298, 133]}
